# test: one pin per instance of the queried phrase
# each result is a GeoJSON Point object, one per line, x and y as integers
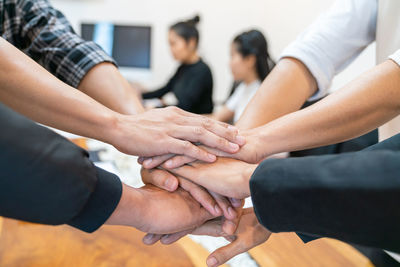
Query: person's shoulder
{"type": "Point", "coordinates": [203, 67]}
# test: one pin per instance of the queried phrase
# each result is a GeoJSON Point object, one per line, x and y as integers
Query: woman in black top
{"type": "Point", "coordinates": [192, 83]}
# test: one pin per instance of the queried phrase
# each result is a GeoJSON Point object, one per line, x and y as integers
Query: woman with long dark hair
{"type": "Point", "coordinates": [250, 64]}
{"type": "Point", "coordinates": [192, 84]}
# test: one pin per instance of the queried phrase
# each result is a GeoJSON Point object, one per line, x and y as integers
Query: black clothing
{"type": "Point", "coordinates": [354, 197]}
{"type": "Point", "coordinates": [193, 87]}
{"type": "Point", "coordinates": [44, 178]}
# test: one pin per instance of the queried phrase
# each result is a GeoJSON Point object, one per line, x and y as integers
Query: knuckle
{"type": "Point", "coordinates": [206, 123]}
{"type": "Point", "coordinates": [198, 131]}
{"type": "Point", "coordinates": [186, 145]}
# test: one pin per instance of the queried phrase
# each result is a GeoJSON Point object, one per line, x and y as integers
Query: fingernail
{"type": "Point", "coordinates": [234, 146]}
{"type": "Point", "coordinates": [148, 238]}
{"type": "Point", "coordinates": [240, 139]}
{"type": "Point", "coordinates": [168, 164]}
{"type": "Point", "coordinates": [212, 261]}
{"type": "Point", "coordinates": [232, 212]}
{"type": "Point", "coordinates": [217, 209]}
{"type": "Point", "coordinates": [168, 183]}
{"type": "Point", "coordinates": [236, 202]}
{"type": "Point", "coordinates": [147, 161]}
{"type": "Point", "coordinates": [212, 157]}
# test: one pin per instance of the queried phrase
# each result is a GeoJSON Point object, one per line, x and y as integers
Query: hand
{"type": "Point", "coordinates": [251, 152]}
{"type": "Point", "coordinates": [171, 131]}
{"type": "Point", "coordinates": [249, 234]}
{"type": "Point", "coordinates": [227, 177]}
{"type": "Point", "coordinates": [153, 210]}
{"type": "Point", "coordinates": [214, 203]}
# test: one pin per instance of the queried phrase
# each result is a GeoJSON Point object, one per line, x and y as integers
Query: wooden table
{"type": "Point", "coordinates": [35, 245]}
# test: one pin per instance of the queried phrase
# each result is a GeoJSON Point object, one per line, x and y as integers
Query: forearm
{"type": "Point", "coordinates": [361, 106]}
{"type": "Point", "coordinates": [33, 174]}
{"type": "Point", "coordinates": [32, 91]}
{"type": "Point", "coordinates": [310, 195]}
{"type": "Point", "coordinates": [284, 91]}
{"type": "Point", "coordinates": [105, 84]}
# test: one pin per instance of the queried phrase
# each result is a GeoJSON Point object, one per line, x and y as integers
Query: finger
{"type": "Point", "coordinates": [150, 163]}
{"type": "Point", "coordinates": [140, 160]}
{"type": "Point", "coordinates": [227, 209]}
{"type": "Point", "coordinates": [206, 137]}
{"type": "Point", "coordinates": [230, 226]}
{"type": "Point", "coordinates": [160, 178]}
{"type": "Point", "coordinates": [210, 228]}
{"type": "Point", "coordinates": [177, 161]}
{"type": "Point", "coordinates": [223, 254]}
{"type": "Point", "coordinates": [191, 150]}
{"type": "Point", "coordinates": [237, 203]}
{"type": "Point", "coordinates": [221, 129]}
{"type": "Point", "coordinates": [172, 238]}
{"type": "Point", "coordinates": [202, 196]}
{"type": "Point", "coordinates": [150, 239]}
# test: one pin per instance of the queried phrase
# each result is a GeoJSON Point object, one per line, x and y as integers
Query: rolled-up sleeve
{"type": "Point", "coordinates": [46, 179]}
{"type": "Point", "coordinates": [334, 40]}
{"type": "Point", "coordinates": [45, 35]}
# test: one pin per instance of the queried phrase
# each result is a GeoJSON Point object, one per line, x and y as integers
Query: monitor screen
{"type": "Point", "coordinates": [130, 46]}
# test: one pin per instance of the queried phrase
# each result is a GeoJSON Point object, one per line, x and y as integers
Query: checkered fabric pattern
{"type": "Point", "coordinates": [44, 34]}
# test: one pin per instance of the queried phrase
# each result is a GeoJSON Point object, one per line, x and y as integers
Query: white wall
{"type": "Point", "coordinates": [280, 20]}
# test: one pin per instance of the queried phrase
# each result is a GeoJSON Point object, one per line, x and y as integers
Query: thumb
{"type": "Point", "coordinates": [223, 254]}
{"type": "Point", "coordinates": [160, 178]}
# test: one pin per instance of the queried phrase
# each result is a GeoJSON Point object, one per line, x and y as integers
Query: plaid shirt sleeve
{"type": "Point", "coordinates": [45, 35]}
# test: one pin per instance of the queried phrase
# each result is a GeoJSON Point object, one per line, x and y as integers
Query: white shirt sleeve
{"type": "Point", "coordinates": [396, 57]}
{"type": "Point", "coordinates": [334, 40]}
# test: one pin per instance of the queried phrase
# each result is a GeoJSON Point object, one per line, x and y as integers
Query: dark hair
{"type": "Point", "coordinates": [187, 29]}
{"type": "Point", "coordinates": [254, 43]}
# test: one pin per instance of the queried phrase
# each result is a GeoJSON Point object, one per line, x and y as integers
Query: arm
{"type": "Point", "coordinates": [45, 35]}
{"type": "Point", "coordinates": [105, 84]}
{"type": "Point", "coordinates": [32, 91]}
{"type": "Point", "coordinates": [37, 166]}
{"type": "Point", "coordinates": [361, 106]}
{"type": "Point", "coordinates": [324, 49]}
{"type": "Point", "coordinates": [47, 179]}
{"type": "Point", "coordinates": [311, 195]}
{"type": "Point", "coordinates": [158, 93]}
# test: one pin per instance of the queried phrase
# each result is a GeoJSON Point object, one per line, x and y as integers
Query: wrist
{"type": "Point", "coordinates": [121, 131]}
{"type": "Point", "coordinates": [130, 209]}
{"type": "Point", "coordinates": [246, 175]}
{"type": "Point", "coordinates": [269, 141]}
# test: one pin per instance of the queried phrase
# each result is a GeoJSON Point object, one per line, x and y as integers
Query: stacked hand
{"type": "Point", "coordinates": [225, 177]}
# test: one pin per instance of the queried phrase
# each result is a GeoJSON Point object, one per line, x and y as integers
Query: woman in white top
{"type": "Point", "coordinates": [250, 64]}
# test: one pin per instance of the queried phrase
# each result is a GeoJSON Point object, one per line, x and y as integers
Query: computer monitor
{"type": "Point", "coordinates": [130, 46]}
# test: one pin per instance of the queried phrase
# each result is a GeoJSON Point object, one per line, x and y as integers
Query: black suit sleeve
{"type": "Point", "coordinates": [46, 179]}
{"type": "Point", "coordinates": [354, 197]}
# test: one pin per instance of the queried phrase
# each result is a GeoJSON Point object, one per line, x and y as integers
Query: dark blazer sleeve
{"type": "Point", "coordinates": [46, 179]}
{"type": "Point", "coordinates": [354, 197]}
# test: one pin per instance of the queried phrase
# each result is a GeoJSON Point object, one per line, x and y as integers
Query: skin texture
{"type": "Point", "coordinates": [249, 234]}
{"type": "Point", "coordinates": [32, 91]}
{"type": "Point", "coordinates": [140, 208]}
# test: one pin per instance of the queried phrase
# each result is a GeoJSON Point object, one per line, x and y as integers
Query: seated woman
{"type": "Point", "coordinates": [192, 84]}
{"type": "Point", "coordinates": [250, 64]}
